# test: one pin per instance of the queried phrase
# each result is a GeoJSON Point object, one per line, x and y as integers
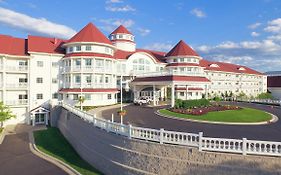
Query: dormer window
{"type": "Point", "coordinates": [88, 48]}
{"type": "Point", "coordinates": [241, 68]}
{"type": "Point", "coordinates": [120, 36]}
{"type": "Point", "coordinates": [78, 48]}
{"type": "Point", "coordinates": [70, 49]}
{"type": "Point", "coordinates": [214, 65]}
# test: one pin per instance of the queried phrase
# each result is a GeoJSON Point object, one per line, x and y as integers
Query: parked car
{"type": "Point", "coordinates": [142, 100]}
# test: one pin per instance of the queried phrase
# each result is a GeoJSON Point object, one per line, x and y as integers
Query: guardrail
{"type": "Point", "coordinates": [241, 146]}
{"type": "Point", "coordinates": [264, 101]}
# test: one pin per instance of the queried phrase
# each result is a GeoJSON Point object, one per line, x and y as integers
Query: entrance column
{"type": "Point", "coordinates": [173, 95]}
{"type": "Point", "coordinates": [154, 94]}
{"type": "Point", "coordinates": [186, 92]}
{"type": "Point", "coordinates": [46, 117]}
{"type": "Point", "coordinates": [33, 119]}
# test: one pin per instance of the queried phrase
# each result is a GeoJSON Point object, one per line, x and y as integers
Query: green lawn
{"type": "Point", "coordinates": [245, 115]}
{"type": "Point", "coordinates": [52, 142]}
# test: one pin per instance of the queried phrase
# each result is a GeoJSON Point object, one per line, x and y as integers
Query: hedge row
{"type": "Point", "coordinates": [186, 104]}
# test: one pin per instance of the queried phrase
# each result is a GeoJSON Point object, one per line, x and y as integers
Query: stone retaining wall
{"type": "Point", "coordinates": [114, 154]}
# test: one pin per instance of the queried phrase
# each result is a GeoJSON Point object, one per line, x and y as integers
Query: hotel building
{"type": "Point", "coordinates": [38, 71]}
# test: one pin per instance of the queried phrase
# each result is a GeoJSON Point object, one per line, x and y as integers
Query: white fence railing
{"type": "Point", "coordinates": [241, 146]}
{"type": "Point", "coordinates": [265, 101]}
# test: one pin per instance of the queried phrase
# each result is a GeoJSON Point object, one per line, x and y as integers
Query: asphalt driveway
{"type": "Point", "coordinates": [16, 158]}
{"type": "Point", "coordinates": [145, 117]}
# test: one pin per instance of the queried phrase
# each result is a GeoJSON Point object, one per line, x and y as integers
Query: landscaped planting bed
{"type": "Point", "coordinates": [203, 110]}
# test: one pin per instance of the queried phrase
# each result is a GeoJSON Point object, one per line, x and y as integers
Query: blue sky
{"type": "Point", "coordinates": [237, 31]}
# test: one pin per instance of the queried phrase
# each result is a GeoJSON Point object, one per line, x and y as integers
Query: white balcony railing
{"type": "Point", "coordinates": [168, 73]}
{"type": "Point", "coordinates": [17, 85]}
{"type": "Point", "coordinates": [17, 102]}
{"type": "Point", "coordinates": [16, 68]}
{"type": "Point", "coordinates": [90, 85]}
{"type": "Point", "coordinates": [88, 69]}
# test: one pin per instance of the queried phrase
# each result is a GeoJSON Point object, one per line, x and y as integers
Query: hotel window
{"type": "Point", "coordinates": [88, 78]}
{"type": "Point", "coordinates": [54, 80]}
{"type": "Point", "coordinates": [39, 96]}
{"type": "Point", "coordinates": [22, 80]}
{"type": "Point", "coordinates": [120, 36]}
{"type": "Point", "coordinates": [55, 95]}
{"type": "Point", "coordinates": [88, 62]}
{"type": "Point", "coordinates": [39, 80]}
{"type": "Point", "coordinates": [99, 63]}
{"type": "Point", "coordinates": [22, 96]}
{"type": "Point", "coordinates": [77, 79]}
{"type": "Point", "coordinates": [75, 96]}
{"type": "Point", "coordinates": [181, 59]}
{"type": "Point", "coordinates": [22, 63]}
{"type": "Point", "coordinates": [181, 93]}
{"type": "Point", "coordinates": [175, 60]}
{"type": "Point", "coordinates": [70, 49]}
{"type": "Point", "coordinates": [87, 96]}
{"type": "Point", "coordinates": [78, 62]}
{"type": "Point", "coordinates": [106, 79]}
{"type": "Point", "coordinates": [39, 63]}
{"type": "Point", "coordinates": [88, 48]}
{"type": "Point", "coordinates": [54, 64]}
{"type": "Point", "coordinates": [78, 48]}
{"type": "Point", "coordinates": [109, 96]}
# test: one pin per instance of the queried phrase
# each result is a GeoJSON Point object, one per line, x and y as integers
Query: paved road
{"type": "Point", "coordinates": [145, 117]}
{"type": "Point", "coordinates": [16, 158]}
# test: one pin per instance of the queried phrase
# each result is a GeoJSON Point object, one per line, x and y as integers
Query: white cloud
{"type": "Point", "coordinates": [110, 24]}
{"type": "Point", "coordinates": [34, 25]}
{"type": "Point", "coordinates": [198, 13]}
{"type": "Point", "coordinates": [125, 8]}
{"type": "Point", "coordinates": [274, 26]}
{"type": "Point", "coordinates": [143, 32]}
{"type": "Point", "coordinates": [228, 45]}
{"type": "Point", "coordinates": [159, 46]}
{"type": "Point", "coordinates": [254, 26]}
{"type": "Point", "coordinates": [114, 1]}
{"type": "Point", "coordinates": [255, 34]}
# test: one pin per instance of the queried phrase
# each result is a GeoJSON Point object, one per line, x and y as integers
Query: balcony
{"type": "Point", "coordinates": [16, 68]}
{"type": "Point", "coordinates": [167, 73]}
{"type": "Point", "coordinates": [88, 69]}
{"type": "Point", "coordinates": [16, 85]}
{"type": "Point", "coordinates": [17, 102]}
{"type": "Point", "coordinates": [89, 85]}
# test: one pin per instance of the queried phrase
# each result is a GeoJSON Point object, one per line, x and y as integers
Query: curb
{"type": "Point", "coordinates": [65, 167]}
{"type": "Point", "coordinates": [272, 120]}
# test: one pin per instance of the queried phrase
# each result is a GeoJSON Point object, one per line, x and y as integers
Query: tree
{"type": "Point", "coordinates": [265, 95]}
{"type": "Point", "coordinates": [5, 113]}
{"type": "Point", "coordinates": [81, 100]}
{"type": "Point", "coordinates": [242, 95]}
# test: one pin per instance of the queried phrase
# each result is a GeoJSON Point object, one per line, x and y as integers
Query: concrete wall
{"type": "Point", "coordinates": [113, 154]}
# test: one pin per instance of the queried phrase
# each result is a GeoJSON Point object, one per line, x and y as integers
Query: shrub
{"type": "Point", "coordinates": [187, 104]}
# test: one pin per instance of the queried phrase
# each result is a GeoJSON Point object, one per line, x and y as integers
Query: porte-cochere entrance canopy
{"type": "Point", "coordinates": [182, 87]}
{"type": "Point", "coordinates": [39, 115]}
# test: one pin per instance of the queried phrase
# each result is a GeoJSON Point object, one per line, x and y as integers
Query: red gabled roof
{"type": "Point", "coordinates": [13, 46]}
{"type": "Point", "coordinates": [45, 44]}
{"type": "Point", "coordinates": [227, 67]}
{"type": "Point", "coordinates": [121, 29]}
{"type": "Point", "coordinates": [171, 78]}
{"type": "Point", "coordinates": [181, 49]}
{"type": "Point", "coordinates": [90, 33]}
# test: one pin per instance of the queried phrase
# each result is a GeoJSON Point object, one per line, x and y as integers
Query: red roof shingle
{"type": "Point", "coordinates": [13, 46]}
{"type": "Point", "coordinates": [90, 33]}
{"type": "Point", "coordinates": [121, 29]}
{"type": "Point", "coordinates": [181, 49]}
{"type": "Point", "coordinates": [45, 45]}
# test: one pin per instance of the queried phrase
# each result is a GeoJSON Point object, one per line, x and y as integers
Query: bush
{"type": "Point", "coordinates": [265, 96]}
{"type": "Point", "coordinates": [187, 104]}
